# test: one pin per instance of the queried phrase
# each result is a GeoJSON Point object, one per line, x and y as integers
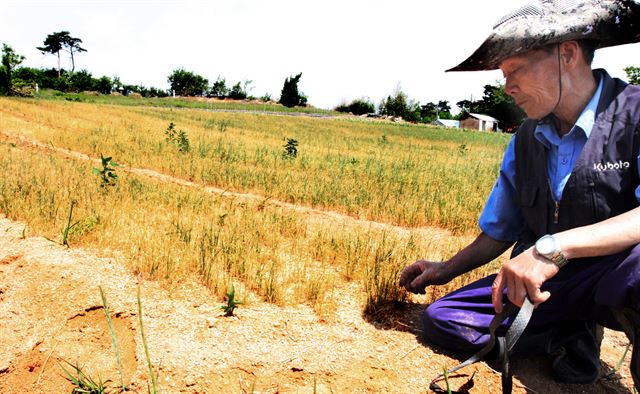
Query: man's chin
{"type": "Point", "coordinates": [535, 115]}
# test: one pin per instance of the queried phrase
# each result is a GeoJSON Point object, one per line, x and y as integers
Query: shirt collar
{"type": "Point", "coordinates": [546, 134]}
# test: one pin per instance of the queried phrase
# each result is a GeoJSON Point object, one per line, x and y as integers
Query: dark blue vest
{"type": "Point", "coordinates": [603, 181]}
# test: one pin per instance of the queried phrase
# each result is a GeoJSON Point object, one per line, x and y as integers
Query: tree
{"type": "Point", "coordinates": [290, 96]}
{"type": "Point", "coordinates": [219, 88]}
{"type": "Point", "coordinates": [429, 112]}
{"type": "Point", "coordinates": [633, 73]}
{"type": "Point", "coordinates": [495, 102]}
{"type": "Point", "coordinates": [239, 92]}
{"type": "Point", "coordinates": [10, 60]}
{"type": "Point", "coordinates": [81, 81]}
{"type": "Point", "coordinates": [444, 109]}
{"type": "Point", "coordinates": [53, 44]}
{"type": "Point", "coordinates": [401, 106]}
{"type": "Point", "coordinates": [62, 40]}
{"type": "Point", "coordinates": [73, 44]}
{"type": "Point", "coordinates": [187, 83]}
{"type": "Point", "coordinates": [103, 85]}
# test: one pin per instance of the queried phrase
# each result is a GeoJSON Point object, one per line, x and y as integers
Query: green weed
{"type": "Point", "coordinates": [178, 138]}
{"type": "Point", "coordinates": [232, 303]}
{"type": "Point", "coordinates": [113, 337]}
{"type": "Point", "coordinates": [67, 228]}
{"type": "Point", "coordinates": [83, 383]}
{"type": "Point", "coordinates": [152, 374]}
{"type": "Point", "coordinates": [107, 173]}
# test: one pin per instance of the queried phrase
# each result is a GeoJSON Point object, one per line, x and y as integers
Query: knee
{"type": "Point", "coordinates": [434, 323]}
{"type": "Point", "coordinates": [430, 316]}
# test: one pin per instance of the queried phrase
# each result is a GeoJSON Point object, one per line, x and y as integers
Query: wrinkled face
{"type": "Point", "coordinates": [532, 80]}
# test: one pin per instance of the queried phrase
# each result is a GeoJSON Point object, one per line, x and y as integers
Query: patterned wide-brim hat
{"type": "Point", "coordinates": [605, 22]}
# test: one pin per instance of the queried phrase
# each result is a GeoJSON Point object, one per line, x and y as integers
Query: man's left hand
{"type": "Point", "coordinates": [522, 276]}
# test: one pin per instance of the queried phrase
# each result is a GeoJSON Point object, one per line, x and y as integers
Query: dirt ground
{"type": "Point", "coordinates": [51, 312]}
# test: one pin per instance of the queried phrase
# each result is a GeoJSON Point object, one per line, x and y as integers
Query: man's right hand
{"type": "Point", "coordinates": [417, 276]}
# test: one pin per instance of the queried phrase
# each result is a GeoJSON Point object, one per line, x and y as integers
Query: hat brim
{"type": "Point", "coordinates": [616, 23]}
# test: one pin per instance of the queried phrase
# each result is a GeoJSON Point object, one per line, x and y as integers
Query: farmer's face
{"type": "Point", "coordinates": [532, 81]}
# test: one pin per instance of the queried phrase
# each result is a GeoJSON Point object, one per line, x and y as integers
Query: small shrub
{"type": "Point", "coordinates": [107, 173]}
{"type": "Point", "coordinates": [177, 138]}
{"type": "Point", "coordinates": [170, 133]}
{"type": "Point", "coordinates": [183, 142]}
{"type": "Point", "coordinates": [290, 149]}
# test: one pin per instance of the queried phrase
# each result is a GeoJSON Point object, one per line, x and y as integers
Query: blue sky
{"type": "Point", "coordinates": [345, 49]}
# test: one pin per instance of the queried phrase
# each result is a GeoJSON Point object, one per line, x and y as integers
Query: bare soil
{"type": "Point", "coordinates": [51, 313]}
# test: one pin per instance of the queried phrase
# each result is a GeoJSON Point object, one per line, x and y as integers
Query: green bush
{"type": "Point", "coordinates": [357, 107]}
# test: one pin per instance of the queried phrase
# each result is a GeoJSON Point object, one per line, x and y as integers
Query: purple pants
{"type": "Point", "coordinates": [583, 289]}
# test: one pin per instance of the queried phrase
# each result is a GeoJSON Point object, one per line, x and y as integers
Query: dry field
{"type": "Point", "coordinates": [312, 242]}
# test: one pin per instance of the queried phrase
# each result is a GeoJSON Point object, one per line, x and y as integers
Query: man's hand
{"type": "Point", "coordinates": [417, 276]}
{"type": "Point", "coordinates": [522, 276]}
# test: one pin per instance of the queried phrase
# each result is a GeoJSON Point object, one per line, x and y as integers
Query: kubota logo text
{"type": "Point", "coordinates": [608, 166]}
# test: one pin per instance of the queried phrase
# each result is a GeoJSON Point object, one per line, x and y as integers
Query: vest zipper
{"type": "Point", "coordinates": [556, 211]}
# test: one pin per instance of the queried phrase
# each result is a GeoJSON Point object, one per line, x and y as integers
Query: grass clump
{"type": "Point", "coordinates": [83, 383]}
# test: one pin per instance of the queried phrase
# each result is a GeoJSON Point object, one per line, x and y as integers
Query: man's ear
{"type": "Point", "coordinates": [570, 54]}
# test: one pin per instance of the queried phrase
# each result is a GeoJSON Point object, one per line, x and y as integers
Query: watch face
{"type": "Point", "coordinates": [546, 245]}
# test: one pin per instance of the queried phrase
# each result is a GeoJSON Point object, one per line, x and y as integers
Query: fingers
{"type": "Point", "coordinates": [516, 290]}
{"type": "Point", "coordinates": [419, 284]}
{"type": "Point", "coordinates": [497, 288]}
{"type": "Point", "coordinates": [409, 273]}
{"type": "Point", "coordinates": [536, 296]}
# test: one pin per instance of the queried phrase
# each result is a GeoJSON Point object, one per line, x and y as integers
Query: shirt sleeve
{"type": "Point", "coordinates": [501, 218]}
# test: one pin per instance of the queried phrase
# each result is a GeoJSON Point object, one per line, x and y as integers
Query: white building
{"type": "Point", "coordinates": [479, 122]}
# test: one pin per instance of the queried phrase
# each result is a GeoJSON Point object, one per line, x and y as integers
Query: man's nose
{"type": "Point", "coordinates": [509, 86]}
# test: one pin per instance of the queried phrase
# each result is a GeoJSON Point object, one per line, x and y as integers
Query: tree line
{"type": "Point", "coordinates": [22, 81]}
{"type": "Point", "coordinates": [16, 80]}
{"type": "Point", "coordinates": [494, 102]}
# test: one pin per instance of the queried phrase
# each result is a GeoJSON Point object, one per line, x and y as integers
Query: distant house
{"type": "Point", "coordinates": [479, 122]}
{"type": "Point", "coordinates": [447, 123]}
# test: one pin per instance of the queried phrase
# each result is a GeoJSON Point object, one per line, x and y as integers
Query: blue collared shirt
{"type": "Point", "coordinates": [501, 218]}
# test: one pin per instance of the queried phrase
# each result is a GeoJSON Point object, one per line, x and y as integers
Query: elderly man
{"type": "Point", "coordinates": [567, 195]}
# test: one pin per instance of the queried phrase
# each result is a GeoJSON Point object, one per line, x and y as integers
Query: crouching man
{"type": "Point", "coordinates": [567, 196]}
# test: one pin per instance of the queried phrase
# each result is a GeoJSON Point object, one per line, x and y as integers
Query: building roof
{"type": "Point", "coordinates": [448, 123]}
{"type": "Point", "coordinates": [486, 118]}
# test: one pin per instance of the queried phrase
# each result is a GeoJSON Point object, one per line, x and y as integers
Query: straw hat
{"type": "Point", "coordinates": [605, 22]}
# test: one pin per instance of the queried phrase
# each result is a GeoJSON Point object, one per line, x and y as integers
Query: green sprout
{"type": "Point", "coordinates": [108, 172]}
{"type": "Point", "coordinates": [232, 303]}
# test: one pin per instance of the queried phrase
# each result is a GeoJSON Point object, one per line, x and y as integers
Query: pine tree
{"type": "Point", "coordinates": [290, 96]}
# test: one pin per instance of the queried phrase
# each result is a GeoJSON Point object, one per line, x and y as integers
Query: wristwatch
{"type": "Point", "coordinates": [547, 246]}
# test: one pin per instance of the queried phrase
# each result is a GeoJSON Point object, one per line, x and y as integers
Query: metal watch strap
{"type": "Point", "coordinates": [559, 259]}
